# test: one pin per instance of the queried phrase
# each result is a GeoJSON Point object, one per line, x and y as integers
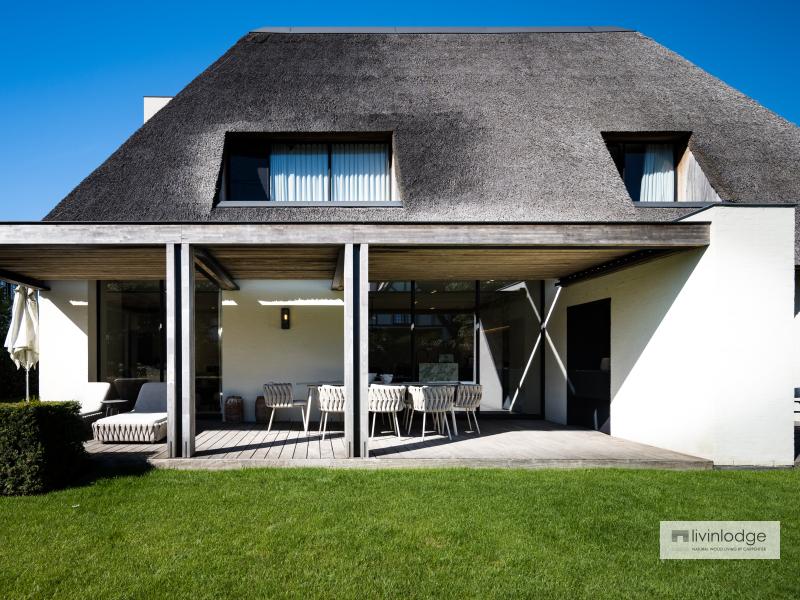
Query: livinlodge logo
{"type": "Point", "coordinates": [680, 535]}
{"type": "Point", "coordinates": [720, 540]}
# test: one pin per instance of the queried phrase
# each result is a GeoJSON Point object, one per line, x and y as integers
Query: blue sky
{"type": "Point", "coordinates": [72, 74]}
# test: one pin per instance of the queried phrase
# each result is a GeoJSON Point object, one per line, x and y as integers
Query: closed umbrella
{"type": "Point", "coordinates": [22, 341]}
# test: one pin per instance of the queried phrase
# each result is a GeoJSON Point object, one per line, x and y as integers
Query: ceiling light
{"type": "Point", "coordinates": [304, 302]}
{"type": "Point", "coordinates": [79, 303]}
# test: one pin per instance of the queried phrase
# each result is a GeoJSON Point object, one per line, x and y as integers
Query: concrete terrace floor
{"type": "Point", "coordinates": [503, 442]}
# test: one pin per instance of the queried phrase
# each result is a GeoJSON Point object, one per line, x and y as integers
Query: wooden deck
{"type": "Point", "coordinates": [238, 442]}
{"type": "Point", "coordinates": [502, 443]}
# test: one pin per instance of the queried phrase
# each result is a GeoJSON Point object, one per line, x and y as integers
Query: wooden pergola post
{"type": "Point", "coordinates": [356, 348]}
{"type": "Point", "coordinates": [187, 350]}
{"type": "Point", "coordinates": [173, 302]}
{"type": "Point", "coordinates": [180, 350]}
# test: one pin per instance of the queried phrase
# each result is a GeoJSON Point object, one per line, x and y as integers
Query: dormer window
{"type": "Point", "coordinates": [261, 169]}
{"type": "Point", "coordinates": [648, 171]}
{"type": "Point", "coordinates": [659, 168]}
{"type": "Point", "coordinates": [647, 168]}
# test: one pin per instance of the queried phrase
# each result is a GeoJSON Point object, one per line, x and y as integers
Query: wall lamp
{"type": "Point", "coordinates": [286, 320]}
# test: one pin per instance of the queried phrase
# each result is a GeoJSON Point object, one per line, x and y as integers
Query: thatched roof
{"type": "Point", "coordinates": [493, 126]}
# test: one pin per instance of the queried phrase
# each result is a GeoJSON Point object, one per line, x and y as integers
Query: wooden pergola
{"type": "Point", "coordinates": [350, 254]}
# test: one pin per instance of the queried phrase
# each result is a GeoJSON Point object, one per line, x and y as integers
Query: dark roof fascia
{"type": "Point", "coordinates": [442, 30]}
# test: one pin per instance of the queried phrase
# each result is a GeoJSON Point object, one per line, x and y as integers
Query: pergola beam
{"type": "Point", "coordinates": [634, 235]}
{"type": "Point", "coordinates": [338, 277]}
{"type": "Point", "coordinates": [18, 279]}
{"type": "Point", "coordinates": [213, 270]}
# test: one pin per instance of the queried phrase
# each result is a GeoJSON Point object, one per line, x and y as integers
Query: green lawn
{"type": "Point", "coordinates": [403, 534]}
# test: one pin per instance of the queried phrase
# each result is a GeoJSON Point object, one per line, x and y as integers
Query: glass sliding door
{"type": "Point", "coordinates": [510, 314]}
{"type": "Point", "coordinates": [131, 330]}
{"type": "Point", "coordinates": [132, 338]}
{"type": "Point", "coordinates": [422, 330]}
{"type": "Point", "coordinates": [431, 331]}
{"type": "Point", "coordinates": [444, 330]}
{"type": "Point", "coordinates": [390, 330]}
{"type": "Point", "coordinates": [207, 348]}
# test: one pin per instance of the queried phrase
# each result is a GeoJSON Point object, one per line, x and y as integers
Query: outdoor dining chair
{"type": "Point", "coordinates": [386, 399]}
{"type": "Point", "coordinates": [331, 400]}
{"type": "Point", "coordinates": [281, 395]}
{"type": "Point", "coordinates": [434, 400]}
{"type": "Point", "coordinates": [468, 398]}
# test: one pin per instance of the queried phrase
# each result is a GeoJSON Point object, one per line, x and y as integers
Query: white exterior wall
{"type": "Point", "coordinates": [702, 349]}
{"type": "Point", "coordinates": [256, 350]}
{"type": "Point", "coordinates": [796, 337]}
{"type": "Point", "coordinates": [796, 328]}
{"type": "Point", "coordinates": [153, 104]}
{"type": "Point", "coordinates": [64, 335]}
{"type": "Point", "coordinates": [796, 353]}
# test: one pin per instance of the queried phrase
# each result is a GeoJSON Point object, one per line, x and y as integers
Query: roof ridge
{"type": "Point", "coordinates": [451, 30]}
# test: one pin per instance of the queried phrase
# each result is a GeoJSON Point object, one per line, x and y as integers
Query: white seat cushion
{"type": "Point", "coordinates": [91, 397]}
{"type": "Point", "coordinates": [131, 427]}
{"type": "Point", "coordinates": [133, 417]}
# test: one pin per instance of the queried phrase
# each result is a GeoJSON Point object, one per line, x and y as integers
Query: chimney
{"type": "Point", "coordinates": [153, 104]}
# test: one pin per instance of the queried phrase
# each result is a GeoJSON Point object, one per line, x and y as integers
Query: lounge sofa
{"type": "Point", "coordinates": [127, 388]}
{"type": "Point", "coordinates": [146, 423]}
{"type": "Point", "coordinates": [91, 399]}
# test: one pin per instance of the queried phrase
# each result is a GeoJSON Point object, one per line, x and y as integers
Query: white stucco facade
{"type": "Point", "coordinates": [702, 347]}
{"type": "Point", "coordinates": [152, 104]}
{"type": "Point", "coordinates": [65, 327]}
{"type": "Point", "coordinates": [256, 350]}
{"type": "Point", "coordinates": [704, 344]}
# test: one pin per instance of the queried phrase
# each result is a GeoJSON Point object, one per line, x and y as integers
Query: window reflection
{"type": "Point", "coordinates": [131, 330]}
{"type": "Point", "coordinates": [207, 348]}
{"type": "Point", "coordinates": [510, 317]}
{"type": "Point", "coordinates": [132, 338]}
{"type": "Point", "coordinates": [444, 341]}
{"type": "Point", "coordinates": [422, 331]}
{"type": "Point", "coordinates": [390, 329]}
{"type": "Point", "coordinates": [427, 331]}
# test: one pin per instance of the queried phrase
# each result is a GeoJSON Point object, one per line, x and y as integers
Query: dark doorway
{"type": "Point", "coordinates": [588, 365]}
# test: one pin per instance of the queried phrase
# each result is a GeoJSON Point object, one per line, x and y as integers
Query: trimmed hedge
{"type": "Point", "coordinates": [41, 446]}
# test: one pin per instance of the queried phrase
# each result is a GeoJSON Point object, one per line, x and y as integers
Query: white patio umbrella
{"type": "Point", "coordinates": [22, 341]}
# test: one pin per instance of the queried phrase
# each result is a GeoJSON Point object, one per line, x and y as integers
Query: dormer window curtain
{"type": "Point", "coordinates": [299, 173]}
{"type": "Point", "coordinates": [311, 172]}
{"type": "Point", "coordinates": [658, 174]}
{"type": "Point", "coordinates": [648, 168]}
{"type": "Point", "coordinates": [661, 169]}
{"type": "Point", "coordinates": [360, 172]}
